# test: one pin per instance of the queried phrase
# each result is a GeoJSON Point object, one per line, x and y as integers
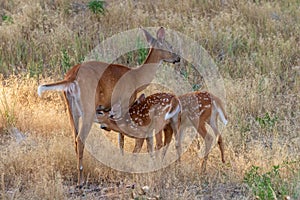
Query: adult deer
{"type": "Point", "coordinates": [197, 108]}
{"type": "Point", "coordinates": [152, 113]}
{"type": "Point", "coordinates": [90, 84]}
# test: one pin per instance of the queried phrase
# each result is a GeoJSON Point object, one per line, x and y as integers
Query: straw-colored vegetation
{"type": "Point", "coordinates": [256, 46]}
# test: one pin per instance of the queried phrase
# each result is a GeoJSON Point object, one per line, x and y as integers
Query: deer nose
{"type": "Point", "coordinates": [104, 127]}
{"type": "Point", "coordinates": [177, 59]}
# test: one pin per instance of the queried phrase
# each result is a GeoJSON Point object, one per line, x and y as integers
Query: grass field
{"type": "Point", "coordinates": [256, 46]}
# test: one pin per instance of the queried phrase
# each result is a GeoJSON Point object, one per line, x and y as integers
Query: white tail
{"type": "Point", "coordinates": [95, 82]}
{"type": "Point", "coordinates": [171, 114]}
{"type": "Point", "coordinates": [43, 88]}
{"type": "Point", "coordinates": [221, 113]}
{"type": "Point", "coordinates": [66, 87]}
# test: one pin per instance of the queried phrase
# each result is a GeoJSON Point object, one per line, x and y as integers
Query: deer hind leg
{"type": "Point", "coordinates": [158, 140]}
{"type": "Point", "coordinates": [121, 143]}
{"type": "Point", "coordinates": [178, 137]}
{"type": "Point", "coordinates": [208, 140]}
{"type": "Point", "coordinates": [74, 115]}
{"type": "Point", "coordinates": [87, 121]}
{"type": "Point", "coordinates": [213, 124]}
{"type": "Point", "coordinates": [221, 146]}
{"type": "Point", "coordinates": [177, 133]}
{"type": "Point", "coordinates": [80, 149]}
{"type": "Point", "coordinates": [168, 132]}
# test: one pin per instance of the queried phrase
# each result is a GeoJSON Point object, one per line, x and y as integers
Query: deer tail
{"type": "Point", "coordinates": [217, 103]}
{"type": "Point", "coordinates": [174, 112]}
{"type": "Point", "coordinates": [64, 85]}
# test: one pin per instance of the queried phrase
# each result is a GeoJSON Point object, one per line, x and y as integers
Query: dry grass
{"type": "Point", "coordinates": [256, 47]}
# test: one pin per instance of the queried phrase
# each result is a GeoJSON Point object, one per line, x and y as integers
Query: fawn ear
{"type": "Point", "coordinates": [161, 34]}
{"type": "Point", "coordinates": [141, 98]}
{"type": "Point", "coordinates": [116, 111]}
{"type": "Point", "coordinates": [148, 37]}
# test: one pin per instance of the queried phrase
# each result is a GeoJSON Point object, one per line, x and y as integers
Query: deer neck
{"type": "Point", "coordinates": [127, 125]}
{"type": "Point", "coordinates": [145, 73]}
{"type": "Point", "coordinates": [153, 57]}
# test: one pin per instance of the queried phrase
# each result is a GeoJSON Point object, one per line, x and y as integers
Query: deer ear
{"type": "Point", "coordinates": [161, 34]}
{"type": "Point", "coordinates": [148, 37]}
{"type": "Point", "coordinates": [116, 111]}
{"type": "Point", "coordinates": [141, 98]}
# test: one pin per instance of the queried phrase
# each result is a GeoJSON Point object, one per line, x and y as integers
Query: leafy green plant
{"type": "Point", "coordinates": [269, 185]}
{"type": "Point", "coordinates": [96, 6]}
{"type": "Point", "coordinates": [7, 19]}
{"type": "Point", "coordinates": [266, 121]}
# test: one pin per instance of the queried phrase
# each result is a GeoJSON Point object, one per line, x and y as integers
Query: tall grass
{"type": "Point", "coordinates": [256, 47]}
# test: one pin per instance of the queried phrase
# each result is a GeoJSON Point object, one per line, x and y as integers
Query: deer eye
{"type": "Point", "coordinates": [101, 113]}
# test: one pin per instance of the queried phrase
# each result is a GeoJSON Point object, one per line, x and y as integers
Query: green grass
{"type": "Point", "coordinates": [266, 121]}
{"type": "Point", "coordinates": [271, 184]}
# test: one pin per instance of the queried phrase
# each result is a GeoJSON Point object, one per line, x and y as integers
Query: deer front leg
{"type": "Point", "coordinates": [121, 143]}
{"type": "Point", "coordinates": [150, 145]}
{"type": "Point", "coordinates": [138, 145]}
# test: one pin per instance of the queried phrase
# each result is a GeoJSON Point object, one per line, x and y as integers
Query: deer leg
{"type": "Point", "coordinates": [121, 143]}
{"type": "Point", "coordinates": [138, 145]}
{"type": "Point", "coordinates": [158, 139]}
{"type": "Point", "coordinates": [168, 135]}
{"type": "Point", "coordinates": [149, 141]}
{"type": "Point", "coordinates": [73, 116]}
{"type": "Point", "coordinates": [214, 126]}
{"type": "Point", "coordinates": [168, 132]}
{"type": "Point", "coordinates": [208, 143]}
{"type": "Point", "coordinates": [221, 146]}
{"type": "Point", "coordinates": [177, 133]}
{"type": "Point", "coordinates": [80, 149]}
{"type": "Point", "coordinates": [87, 121]}
{"type": "Point", "coordinates": [178, 137]}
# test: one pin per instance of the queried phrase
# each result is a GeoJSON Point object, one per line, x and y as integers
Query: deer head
{"type": "Point", "coordinates": [164, 51]}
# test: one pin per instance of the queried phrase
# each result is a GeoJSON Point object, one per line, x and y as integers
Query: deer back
{"type": "Point", "coordinates": [158, 105]}
{"type": "Point", "coordinates": [197, 106]}
{"type": "Point", "coordinates": [150, 113]}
